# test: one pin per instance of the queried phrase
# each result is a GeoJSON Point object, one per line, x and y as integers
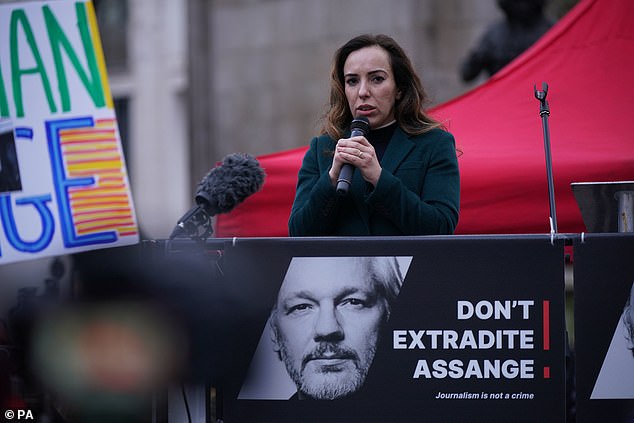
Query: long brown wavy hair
{"type": "Point", "coordinates": [408, 111]}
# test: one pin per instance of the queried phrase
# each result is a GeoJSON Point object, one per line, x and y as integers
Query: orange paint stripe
{"type": "Point", "coordinates": [98, 172]}
{"type": "Point", "coordinates": [109, 197]}
{"type": "Point", "coordinates": [99, 228]}
{"type": "Point", "coordinates": [91, 200]}
{"type": "Point", "coordinates": [103, 223]}
{"type": "Point", "coordinates": [67, 142]}
{"type": "Point", "coordinates": [104, 212]}
{"type": "Point", "coordinates": [105, 121]}
{"type": "Point", "coordinates": [96, 189]}
{"type": "Point", "coordinates": [114, 192]}
{"type": "Point", "coordinates": [112, 221]}
{"type": "Point", "coordinates": [89, 146]}
{"type": "Point", "coordinates": [112, 184]}
{"type": "Point", "coordinates": [107, 217]}
{"type": "Point", "coordinates": [98, 158]}
{"type": "Point", "coordinates": [111, 180]}
{"type": "Point", "coordinates": [94, 148]}
{"type": "Point", "coordinates": [87, 133]}
{"type": "Point", "coordinates": [93, 205]}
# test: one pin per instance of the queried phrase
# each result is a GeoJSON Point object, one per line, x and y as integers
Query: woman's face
{"type": "Point", "coordinates": [370, 86]}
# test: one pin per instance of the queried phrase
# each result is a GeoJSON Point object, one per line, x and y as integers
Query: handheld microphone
{"type": "Point", "coordinates": [220, 191]}
{"type": "Point", "coordinates": [360, 126]}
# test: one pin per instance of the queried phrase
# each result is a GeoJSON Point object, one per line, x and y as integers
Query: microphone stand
{"type": "Point", "coordinates": [544, 112]}
{"type": "Point", "coordinates": [195, 224]}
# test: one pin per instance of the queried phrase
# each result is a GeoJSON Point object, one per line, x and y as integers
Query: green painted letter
{"type": "Point", "coordinates": [4, 103]}
{"type": "Point", "coordinates": [18, 17]}
{"type": "Point", "coordinates": [59, 41]}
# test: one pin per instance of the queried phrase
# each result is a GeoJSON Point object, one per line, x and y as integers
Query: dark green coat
{"type": "Point", "coordinates": [418, 192]}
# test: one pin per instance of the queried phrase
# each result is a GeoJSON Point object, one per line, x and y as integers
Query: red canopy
{"type": "Point", "coordinates": [587, 59]}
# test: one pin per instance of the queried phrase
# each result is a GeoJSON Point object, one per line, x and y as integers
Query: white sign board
{"type": "Point", "coordinates": [63, 181]}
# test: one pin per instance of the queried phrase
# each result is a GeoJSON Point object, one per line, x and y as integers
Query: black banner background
{"type": "Point", "coordinates": [443, 270]}
{"type": "Point", "coordinates": [603, 276]}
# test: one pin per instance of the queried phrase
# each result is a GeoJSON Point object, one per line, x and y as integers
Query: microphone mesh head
{"type": "Point", "coordinates": [229, 184]}
{"type": "Point", "coordinates": [361, 124]}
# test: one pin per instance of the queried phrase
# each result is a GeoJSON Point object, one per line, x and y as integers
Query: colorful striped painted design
{"type": "Point", "coordinates": [106, 205]}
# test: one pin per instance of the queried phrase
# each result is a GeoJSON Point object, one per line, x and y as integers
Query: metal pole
{"type": "Point", "coordinates": [626, 210]}
{"type": "Point", "coordinates": [544, 112]}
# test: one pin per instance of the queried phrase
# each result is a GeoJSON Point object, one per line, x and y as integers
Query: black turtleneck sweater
{"type": "Point", "coordinates": [380, 138]}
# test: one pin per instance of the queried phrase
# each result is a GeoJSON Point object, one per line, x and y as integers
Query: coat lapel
{"type": "Point", "coordinates": [397, 150]}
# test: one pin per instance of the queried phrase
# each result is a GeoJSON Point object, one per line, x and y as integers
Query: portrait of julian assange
{"type": "Point", "coordinates": [324, 328]}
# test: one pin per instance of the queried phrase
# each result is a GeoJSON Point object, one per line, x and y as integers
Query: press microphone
{"type": "Point", "coordinates": [360, 126]}
{"type": "Point", "coordinates": [220, 191]}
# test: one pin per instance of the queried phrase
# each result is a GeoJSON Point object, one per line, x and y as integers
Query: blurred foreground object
{"type": "Point", "coordinates": [143, 320]}
{"type": "Point", "coordinates": [106, 358]}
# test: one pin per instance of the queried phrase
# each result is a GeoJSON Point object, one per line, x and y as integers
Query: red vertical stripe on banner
{"type": "Point", "coordinates": [546, 372]}
{"type": "Point", "coordinates": [546, 304]}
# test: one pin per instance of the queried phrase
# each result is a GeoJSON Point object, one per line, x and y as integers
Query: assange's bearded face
{"type": "Point", "coordinates": [329, 371]}
{"type": "Point", "coordinates": [326, 325]}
